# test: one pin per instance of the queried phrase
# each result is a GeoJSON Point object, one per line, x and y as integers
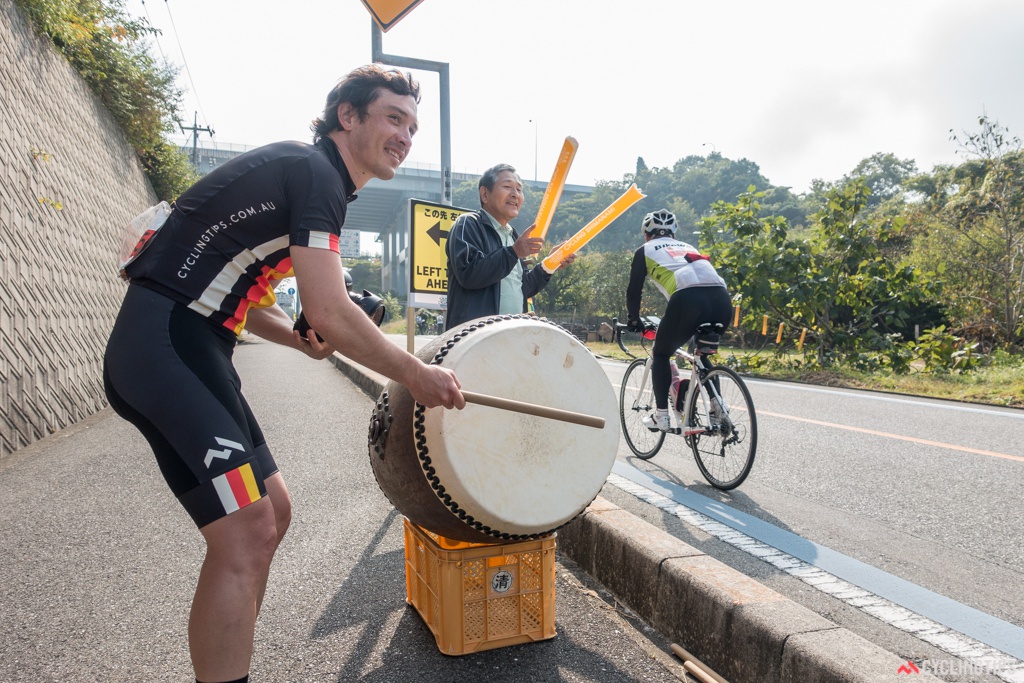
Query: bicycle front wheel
{"type": "Point", "coordinates": [723, 441]}
{"type": "Point", "coordinates": [636, 400]}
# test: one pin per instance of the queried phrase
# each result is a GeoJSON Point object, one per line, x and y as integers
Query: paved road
{"type": "Point", "coordinates": [96, 579]}
{"type": "Point", "coordinates": [913, 495]}
{"type": "Point", "coordinates": [99, 562]}
{"type": "Point", "coordinates": [928, 491]}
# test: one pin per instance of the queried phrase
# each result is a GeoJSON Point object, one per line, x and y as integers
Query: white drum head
{"type": "Point", "coordinates": [516, 473]}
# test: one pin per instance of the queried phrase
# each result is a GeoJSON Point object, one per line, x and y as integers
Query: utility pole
{"type": "Point", "coordinates": [196, 130]}
{"type": "Point", "coordinates": [534, 122]}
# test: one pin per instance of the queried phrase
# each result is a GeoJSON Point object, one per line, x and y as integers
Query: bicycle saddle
{"type": "Point", "coordinates": [708, 337]}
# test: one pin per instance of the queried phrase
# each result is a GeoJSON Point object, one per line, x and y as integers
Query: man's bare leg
{"type": "Point", "coordinates": [278, 493]}
{"type": "Point", "coordinates": [232, 582]}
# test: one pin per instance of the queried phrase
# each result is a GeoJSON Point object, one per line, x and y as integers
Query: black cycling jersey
{"type": "Point", "coordinates": [228, 238]}
{"type": "Point", "coordinates": [167, 367]}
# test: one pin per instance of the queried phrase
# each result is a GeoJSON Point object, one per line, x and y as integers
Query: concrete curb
{"type": "Point", "coordinates": [742, 629]}
{"type": "Point", "coordinates": [745, 631]}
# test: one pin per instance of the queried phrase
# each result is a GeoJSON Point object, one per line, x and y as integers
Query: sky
{"type": "Point", "coordinates": [803, 88]}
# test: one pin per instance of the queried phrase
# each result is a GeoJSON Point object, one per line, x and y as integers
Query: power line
{"type": "Point", "coordinates": [156, 36]}
{"type": "Point", "coordinates": [184, 61]}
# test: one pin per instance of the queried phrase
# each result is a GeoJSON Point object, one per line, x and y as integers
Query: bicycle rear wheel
{"type": "Point", "coordinates": [636, 400]}
{"type": "Point", "coordinates": [723, 445]}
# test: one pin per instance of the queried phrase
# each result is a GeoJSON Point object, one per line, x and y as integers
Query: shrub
{"type": "Point", "coordinates": [108, 49]}
{"type": "Point", "coordinates": [942, 351]}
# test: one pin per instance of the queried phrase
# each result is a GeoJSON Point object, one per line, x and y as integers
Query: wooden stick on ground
{"type": "Point", "coordinates": [695, 667]}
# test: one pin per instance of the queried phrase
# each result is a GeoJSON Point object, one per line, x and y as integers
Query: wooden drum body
{"type": "Point", "coordinates": [488, 475]}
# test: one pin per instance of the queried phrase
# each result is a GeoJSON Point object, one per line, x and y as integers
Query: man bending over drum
{"type": "Point", "coordinates": [209, 272]}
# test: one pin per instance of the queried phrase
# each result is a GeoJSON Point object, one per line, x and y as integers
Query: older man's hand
{"type": "Point", "coordinates": [527, 245]}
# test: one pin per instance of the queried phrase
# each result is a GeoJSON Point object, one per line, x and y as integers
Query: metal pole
{"type": "Point", "coordinates": [534, 121]}
{"type": "Point", "coordinates": [377, 55]}
{"type": "Point", "coordinates": [446, 137]}
{"type": "Point", "coordinates": [195, 136]}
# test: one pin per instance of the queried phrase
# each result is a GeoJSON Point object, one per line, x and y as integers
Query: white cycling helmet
{"type": "Point", "coordinates": [663, 219]}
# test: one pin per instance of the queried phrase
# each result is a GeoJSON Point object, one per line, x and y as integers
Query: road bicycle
{"type": "Point", "coordinates": [715, 416]}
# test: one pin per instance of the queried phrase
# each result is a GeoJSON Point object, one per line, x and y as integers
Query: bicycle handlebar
{"type": "Point", "coordinates": [649, 325]}
{"type": "Point", "coordinates": [617, 329]}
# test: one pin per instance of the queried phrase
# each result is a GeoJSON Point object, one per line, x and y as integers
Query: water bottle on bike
{"type": "Point", "coordinates": [712, 408]}
{"type": "Point", "coordinates": [673, 389]}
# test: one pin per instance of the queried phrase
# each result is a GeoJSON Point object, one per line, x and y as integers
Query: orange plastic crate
{"type": "Point", "coordinates": [477, 596]}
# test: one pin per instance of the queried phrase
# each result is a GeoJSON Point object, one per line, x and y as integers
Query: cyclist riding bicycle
{"type": "Point", "coordinates": [696, 295]}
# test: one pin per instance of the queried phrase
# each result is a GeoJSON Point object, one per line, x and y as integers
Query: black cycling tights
{"type": "Point", "coordinates": [687, 309]}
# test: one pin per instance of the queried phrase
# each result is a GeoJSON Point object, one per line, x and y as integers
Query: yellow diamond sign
{"type": "Point", "coordinates": [387, 13]}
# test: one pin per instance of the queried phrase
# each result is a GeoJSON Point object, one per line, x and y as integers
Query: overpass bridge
{"type": "Point", "coordinates": [382, 207]}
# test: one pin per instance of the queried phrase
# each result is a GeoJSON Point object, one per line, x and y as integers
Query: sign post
{"type": "Point", "coordinates": [396, 9]}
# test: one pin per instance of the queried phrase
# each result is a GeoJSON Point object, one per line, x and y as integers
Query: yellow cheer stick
{"type": "Point", "coordinates": [590, 230]}
{"type": "Point", "coordinates": [554, 189]}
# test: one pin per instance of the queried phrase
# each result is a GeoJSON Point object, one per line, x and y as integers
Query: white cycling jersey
{"type": "Point", "coordinates": [673, 265]}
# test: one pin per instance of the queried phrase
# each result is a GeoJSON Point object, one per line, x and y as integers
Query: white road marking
{"type": "Point", "coordinates": [978, 654]}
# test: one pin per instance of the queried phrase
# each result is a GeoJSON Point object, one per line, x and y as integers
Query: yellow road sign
{"type": "Point", "coordinates": [431, 224]}
{"type": "Point", "coordinates": [387, 13]}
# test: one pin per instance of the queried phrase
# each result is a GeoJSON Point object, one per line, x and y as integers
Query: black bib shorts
{"type": "Point", "coordinates": [168, 371]}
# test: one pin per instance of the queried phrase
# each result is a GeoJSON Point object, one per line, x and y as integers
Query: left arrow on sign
{"type": "Point", "coordinates": [436, 233]}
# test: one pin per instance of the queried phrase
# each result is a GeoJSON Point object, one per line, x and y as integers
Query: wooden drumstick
{"type": "Point", "coordinates": [534, 409]}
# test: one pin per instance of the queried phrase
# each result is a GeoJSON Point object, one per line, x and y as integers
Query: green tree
{"type": "Point", "coordinates": [365, 272]}
{"type": "Point", "coordinates": [465, 195]}
{"type": "Point", "coordinates": [594, 286]}
{"type": "Point", "coordinates": [837, 283]}
{"type": "Point", "coordinates": [688, 189]}
{"type": "Point", "coordinates": [974, 231]}
{"type": "Point", "coordinates": [575, 212]}
{"type": "Point", "coordinates": [703, 181]}
{"type": "Point", "coordinates": [885, 175]}
{"type": "Point", "coordinates": [566, 293]}
{"type": "Point", "coordinates": [110, 52]}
